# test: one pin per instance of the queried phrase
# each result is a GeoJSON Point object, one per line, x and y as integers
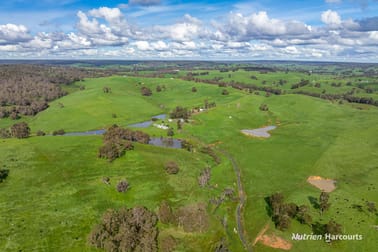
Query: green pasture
{"type": "Point", "coordinates": [54, 194]}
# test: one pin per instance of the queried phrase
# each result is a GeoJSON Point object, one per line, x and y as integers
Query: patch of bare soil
{"type": "Point", "coordinates": [324, 184]}
{"type": "Point", "coordinates": [275, 241]}
{"type": "Point", "coordinates": [260, 234]}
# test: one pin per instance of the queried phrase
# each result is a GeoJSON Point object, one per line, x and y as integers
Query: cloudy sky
{"type": "Point", "coordinates": [340, 30]}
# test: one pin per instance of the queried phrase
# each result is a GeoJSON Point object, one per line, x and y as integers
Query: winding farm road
{"type": "Point", "coordinates": [242, 200]}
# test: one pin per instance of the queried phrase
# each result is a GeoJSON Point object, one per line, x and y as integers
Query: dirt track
{"type": "Point", "coordinates": [242, 200]}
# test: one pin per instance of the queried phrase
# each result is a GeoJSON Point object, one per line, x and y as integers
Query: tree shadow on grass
{"type": "Point", "coordinates": [314, 202]}
{"type": "Point", "coordinates": [268, 207]}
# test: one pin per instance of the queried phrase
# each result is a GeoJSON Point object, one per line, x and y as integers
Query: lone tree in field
{"type": "Point", "coordinates": [131, 229]}
{"type": "Point", "coordinates": [146, 91]}
{"type": "Point", "coordinates": [106, 90]}
{"type": "Point", "coordinates": [3, 174]}
{"type": "Point", "coordinates": [170, 132]}
{"type": "Point", "coordinates": [20, 130]}
{"type": "Point", "coordinates": [264, 107]}
{"type": "Point", "coordinates": [323, 202]}
{"type": "Point", "coordinates": [225, 92]}
{"type": "Point", "coordinates": [371, 207]}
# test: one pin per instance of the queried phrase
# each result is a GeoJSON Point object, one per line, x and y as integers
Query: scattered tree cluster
{"type": "Point", "coordinates": [17, 130]}
{"type": "Point", "coordinates": [282, 213]}
{"type": "Point", "coordinates": [115, 133]}
{"type": "Point", "coordinates": [20, 130]}
{"type": "Point", "coordinates": [132, 229]}
{"type": "Point", "coordinates": [180, 112]}
{"type": "Point", "coordinates": [302, 83]}
{"type": "Point", "coordinates": [26, 89]}
{"type": "Point", "coordinates": [118, 140]}
{"type": "Point", "coordinates": [208, 104]}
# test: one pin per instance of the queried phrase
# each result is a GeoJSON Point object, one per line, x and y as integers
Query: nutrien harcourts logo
{"type": "Point", "coordinates": [326, 237]}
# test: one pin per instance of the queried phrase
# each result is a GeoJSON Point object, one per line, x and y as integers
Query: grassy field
{"type": "Point", "coordinates": [54, 193]}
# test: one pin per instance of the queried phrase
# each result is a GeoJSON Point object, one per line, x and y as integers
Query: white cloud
{"type": "Point", "coordinates": [258, 26]}
{"type": "Point", "coordinates": [11, 33]}
{"type": "Point", "coordinates": [331, 18]}
{"type": "Point", "coordinates": [186, 30]}
{"type": "Point", "coordinates": [105, 32]}
{"type": "Point", "coordinates": [142, 45]}
{"type": "Point", "coordinates": [112, 15]}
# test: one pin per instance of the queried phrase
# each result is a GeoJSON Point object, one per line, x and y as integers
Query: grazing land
{"type": "Point", "coordinates": [213, 192]}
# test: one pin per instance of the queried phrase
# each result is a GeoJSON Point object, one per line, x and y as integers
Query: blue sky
{"type": "Point", "coordinates": [342, 30]}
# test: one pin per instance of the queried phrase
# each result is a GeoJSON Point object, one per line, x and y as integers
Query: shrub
{"type": "Point", "coordinates": [172, 167]}
{"type": "Point", "coordinates": [20, 130]}
{"type": "Point", "coordinates": [106, 90]}
{"type": "Point", "coordinates": [146, 91]}
{"type": "Point", "coordinates": [225, 92]}
{"type": "Point", "coordinates": [165, 213]}
{"type": "Point", "coordinates": [58, 132]}
{"type": "Point", "coordinates": [131, 229]}
{"type": "Point", "coordinates": [193, 218]}
{"type": "Point", "coordinates": [204, 177]}
{"type": "Point", "coordinates": [194, 89]}
{"type": "Point", "coordinates": [40, 133]}
{"type": "Point", "coordinates": [158, 88]}
{"type": "Point", "coordinates": [168, 244]}
{"type": "Point", "coordinates": [5, 133]}
{"type": "Point", "coordinates": [264, 107]}
{"type": "Point", "coordinates": [3, 174]}
{"type": "Point", "coordinates": [123, 186]}
{"type": "Point", "coordinates": [170, 132]}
